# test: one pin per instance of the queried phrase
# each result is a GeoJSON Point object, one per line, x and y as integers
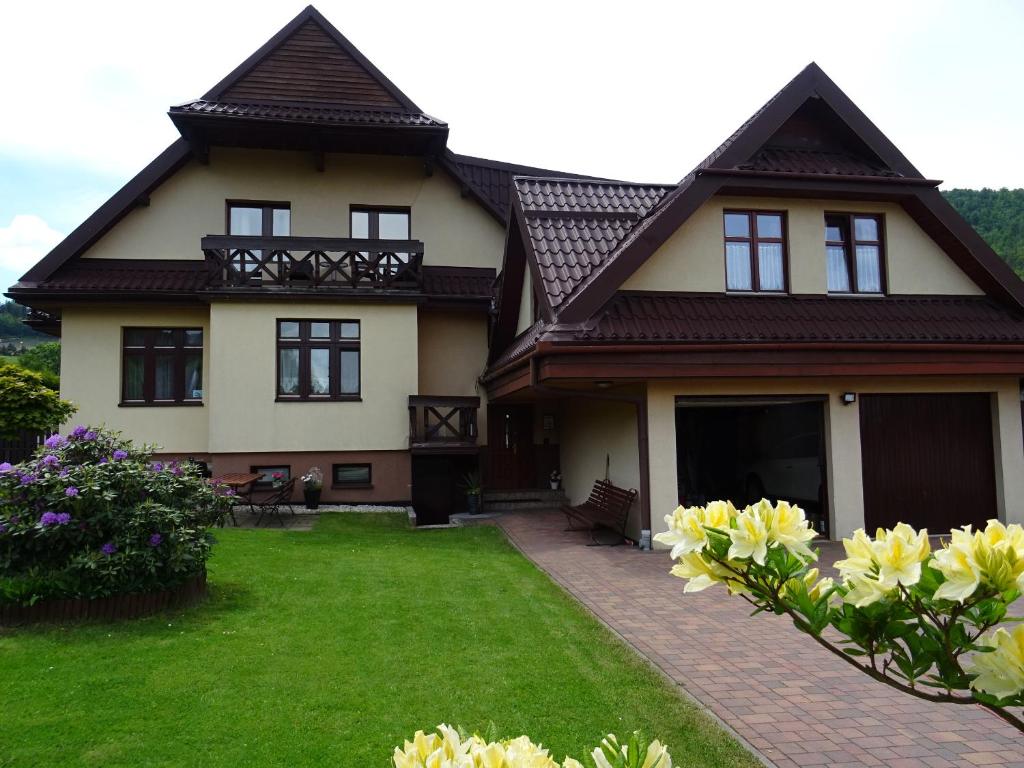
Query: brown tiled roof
{"type": "Point", "coordinates": [778, 159]}
{"type": "Point", "coordinates": [574, 226]}
{"type": "Point", "coordinates": [309, 113]}
{"type": "Point", "coordinates": [160, 275]}
{"type": "Point", "coordinates": [492, 180]}
{"type": "Point", "coordinates": [459, 282]}
{"type": "Point", "coordinates": [667, 317]}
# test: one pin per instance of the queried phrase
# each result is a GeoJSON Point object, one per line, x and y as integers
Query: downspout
{"type": "Point", "coordinates": [643, 447]}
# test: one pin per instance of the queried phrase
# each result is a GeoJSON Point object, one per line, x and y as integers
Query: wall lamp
{"type": "Point", "coordinates": [602, 384]}
{"type": "Point", "coordinates": [848, 398]}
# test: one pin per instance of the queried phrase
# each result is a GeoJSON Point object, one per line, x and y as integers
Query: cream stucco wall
{"type": "Point", "coordinates": [452, 356]}
{"type": "Point", "coordinates": [843, 457]}
{"type": "Point", "coordinates": [591, 432]}
{"type": "Point", "coordinates": [693, 258]}
{"type": "Point", "coordinates": [455, 230]}
{"type": "Point", "coordinates": [242, 388]}
{"type": "Point", "coordinates": [91, 376]}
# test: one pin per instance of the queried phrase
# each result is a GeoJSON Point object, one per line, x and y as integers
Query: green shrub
{"type": "Point", "coordinates": [27, 404]}
{"type": "Point", "coordinates": [42, 358]}
{"type": "Point", "coordinates": [92, 515]}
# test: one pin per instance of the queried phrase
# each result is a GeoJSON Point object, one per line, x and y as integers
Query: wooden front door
{"type": "Point", "coordinates": [510, 447]}
{"type": "Point", "coordinates": [928, 461]}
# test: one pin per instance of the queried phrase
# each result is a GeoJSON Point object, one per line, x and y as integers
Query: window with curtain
{"type": "Point", "coordinates": [318, 360]}
{"type": "Point", "coordinates": [755, 251]}
{"type": "Point", "coordinates": [162, 366]}
{"type": "Point", "coordinates": [367, 223]}
{"type": "Point", "coordinates": [258, 219]}
{"type": "Point", "coordinates": [853, 253]}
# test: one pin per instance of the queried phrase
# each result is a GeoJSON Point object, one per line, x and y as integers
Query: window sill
{"type": "Point", "coordinates": [734, 292]}
{"type": "Point", "coordinates": [353, 487]}
{"type": "Point", "coordinates": [346, 399]}
{"type": "Point", "coordinates": [855, 295]}
{"type": "Point", "coordinates": [132, 404]}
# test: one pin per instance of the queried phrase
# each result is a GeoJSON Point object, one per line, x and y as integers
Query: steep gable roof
{"type": "Point", "coordinates": [848, 157]}
{"type": "Point", "coordinates": [310, 61]}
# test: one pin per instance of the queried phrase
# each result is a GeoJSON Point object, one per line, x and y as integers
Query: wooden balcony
{"type": "Point", "coordinates": [443, 424]}
{"type": "Point", "coordinates": [237, 261]}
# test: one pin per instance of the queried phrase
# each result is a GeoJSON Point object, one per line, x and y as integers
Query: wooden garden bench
{"type": "Point", "coordinates": [608, 507]}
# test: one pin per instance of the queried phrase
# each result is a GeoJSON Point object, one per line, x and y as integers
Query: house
{"type": "Point", "coordinates": [310, 276]}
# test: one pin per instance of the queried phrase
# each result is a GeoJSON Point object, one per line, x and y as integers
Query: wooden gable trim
{"type": "Point", "coordinates": [512, 270]}
{"type": "Point", "coordinates": [309, 13]}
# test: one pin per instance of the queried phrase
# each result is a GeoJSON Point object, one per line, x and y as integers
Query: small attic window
{"type": "Point", "coordinates": [853, 253]}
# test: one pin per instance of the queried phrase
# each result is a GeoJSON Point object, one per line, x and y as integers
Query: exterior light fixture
{"type": "Point", "coordinates": [602, 384]}
{"type": "Point", "coordinates": [848, 398]}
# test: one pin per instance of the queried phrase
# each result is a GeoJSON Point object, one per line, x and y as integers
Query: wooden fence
{"type": "Point", "coordinates": [22, 447]}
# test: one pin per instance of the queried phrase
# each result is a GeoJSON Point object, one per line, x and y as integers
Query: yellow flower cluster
{"type": "Point", "coordinates": [875, 567]}
{"type": "Point", "coordinates": [1000, 672]}
{"type": "Point", "coordinates": [752, 532]}
{"type": "Point", "coordinates": [447, 749]}
{"type": "Point", "coordinates": [994, 557]}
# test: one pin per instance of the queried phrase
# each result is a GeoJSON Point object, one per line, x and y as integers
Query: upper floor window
{"type": "Point", "coordinates": [755, 251]}
{"type": "Point", "coordinates": [379, 223]}
{"type": "Point", "coordinates": [259, 219]}
{"type": "Point", "coordinates": [162, 366]}
{"type": "Point", "coordinates": [853, 252]}
{"type": "Point", "coordinates": [318, 359]}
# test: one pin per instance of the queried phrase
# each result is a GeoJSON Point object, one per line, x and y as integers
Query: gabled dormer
{"type": "Point", "coordinates": [309, 88]}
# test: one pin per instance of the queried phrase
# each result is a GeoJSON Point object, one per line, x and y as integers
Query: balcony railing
{"type": "Point", "coordinates": [443, 423]}
{"type": "Point", "coordinates": [238, 261]}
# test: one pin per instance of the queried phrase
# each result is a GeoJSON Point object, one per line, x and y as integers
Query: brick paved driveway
{"type": "Point", "coordinates": [791, 700]}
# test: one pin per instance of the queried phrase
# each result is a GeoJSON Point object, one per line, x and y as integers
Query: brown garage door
{"type": "Point", "coordinates": [928, 460]}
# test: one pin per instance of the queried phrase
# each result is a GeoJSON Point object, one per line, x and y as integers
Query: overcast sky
{"type": "Point", "coordinates": [638, 91]}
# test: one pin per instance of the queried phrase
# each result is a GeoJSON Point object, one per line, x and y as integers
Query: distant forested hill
{"type": "Point", "coordinates": [998, 215]}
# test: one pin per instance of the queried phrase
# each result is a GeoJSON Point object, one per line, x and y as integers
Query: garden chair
{"type": "Point", "coordinates": [279, 497]}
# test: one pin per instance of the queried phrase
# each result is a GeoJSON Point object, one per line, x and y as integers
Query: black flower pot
{"type": "Point", "coordinates": [473, 503]}
{"type": "Point", "coordinates": [312, 496]}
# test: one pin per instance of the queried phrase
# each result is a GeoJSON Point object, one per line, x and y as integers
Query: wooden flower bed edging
{"type": "Point", "coordinates": [111, 608]}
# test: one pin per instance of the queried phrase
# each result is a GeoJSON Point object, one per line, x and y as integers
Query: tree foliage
{"type": "Point", "coordinates": [998, 216]}
{"type": "Point", "coordinates": [27, 403]}
{"type": "Point", "coordinates": [11, 325]}
{"type": "Point", "coordinates": [42, 358]}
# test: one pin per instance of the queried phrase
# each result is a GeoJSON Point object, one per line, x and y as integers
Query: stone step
{"type": "Point", "coordinates": [519, 506]}
{"type": "Point", "coordinates": [545, 495]}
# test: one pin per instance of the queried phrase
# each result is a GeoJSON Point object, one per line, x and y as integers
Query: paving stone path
{"type": "Point", "coordinates": [791, 700]}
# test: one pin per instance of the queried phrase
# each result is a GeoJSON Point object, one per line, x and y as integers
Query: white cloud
{"type": "Point", "coordinates": [25, 241]}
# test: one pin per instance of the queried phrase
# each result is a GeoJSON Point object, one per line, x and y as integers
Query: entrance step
{"type": "Point", "coordinates": [532, 498]}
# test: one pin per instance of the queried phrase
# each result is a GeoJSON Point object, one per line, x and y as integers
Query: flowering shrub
{"type": "Point", "coordinates": [27, 404]}
{"type": "Point", "coordinates": [447, 748]}
{"type": "Point", "coordinates": [916, 619]}
{"type": "Point", "coordinates": [91, 515]}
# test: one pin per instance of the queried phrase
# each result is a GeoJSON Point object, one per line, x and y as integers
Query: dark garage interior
{"type": "Point", "coordinates": [743, 449]}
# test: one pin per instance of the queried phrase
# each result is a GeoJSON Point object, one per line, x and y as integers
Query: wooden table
{"type": "Point", "coordinates": [236, 481]}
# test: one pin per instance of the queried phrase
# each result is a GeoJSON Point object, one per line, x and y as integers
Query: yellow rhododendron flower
{"type": "Point", "coordinates": [687, 527]}
{"type": "Point", "coordinates": [749, 537]}
{"type": "Point", "coordinates": [702, 574]}
{"type": "Point", "coordinates": [815, 588]}
{"type": "Point", "coordinates": [789, 527]}
{"type": "Point", "coordinates": [1000, 673]}
{"type": "Point", "coordinates": [955, 561]}
{"type": "Point", "coordinates": [864, 590]}
{"type": "Point", "coordinates": [860, 558]}
{"type": "Point", "coordinates": [899, 554]}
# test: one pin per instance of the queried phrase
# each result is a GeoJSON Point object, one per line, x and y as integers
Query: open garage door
{"type": "Point", "coordinates": [928, 460]}
{"type": "Point", "coordinates": [745, 448]}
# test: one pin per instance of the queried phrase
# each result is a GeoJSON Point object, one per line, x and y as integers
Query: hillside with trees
{"type": "Point", "coordinates": [998, 215]}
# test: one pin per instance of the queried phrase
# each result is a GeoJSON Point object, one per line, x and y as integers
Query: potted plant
{"type": "Point", "coordinates": [473, 488]}
{"type": "Point", "coordinates": [312, 486]}
{"type": "Point", "coordinates": [556, 480]}
{"type": "Point", "coordinates": [277, 479]}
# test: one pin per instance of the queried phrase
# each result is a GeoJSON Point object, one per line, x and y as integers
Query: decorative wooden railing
{"type": "Point", "coordinates": [237, 261]}
{"type": "Point", "coordinates": [443, 423]}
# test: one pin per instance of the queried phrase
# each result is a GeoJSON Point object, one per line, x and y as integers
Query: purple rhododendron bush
{"type": "Point", "coordinates": [92, 515]}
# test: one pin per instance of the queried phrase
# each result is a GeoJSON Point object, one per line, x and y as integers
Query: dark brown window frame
{"type": "Point", "coordinates": [850, 250]}
{"type": "Point", "coordinates": [369, 475]}
{"type": "Point", "coordinates": [258, 469]}
{"type": "Point", "coordinates": [754, 240]}
{"type": "Point", "coordinates": [149, 352]}
{"type": "Point", "coordinates": [373, 225]}
{"type": "Point", "coordinates": [304, 343]}
{"type": "Point", "coordinates": [268, 206]}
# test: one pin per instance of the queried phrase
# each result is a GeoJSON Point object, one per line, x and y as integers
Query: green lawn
{"type": "Point", "coordinates": [326, 649]}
